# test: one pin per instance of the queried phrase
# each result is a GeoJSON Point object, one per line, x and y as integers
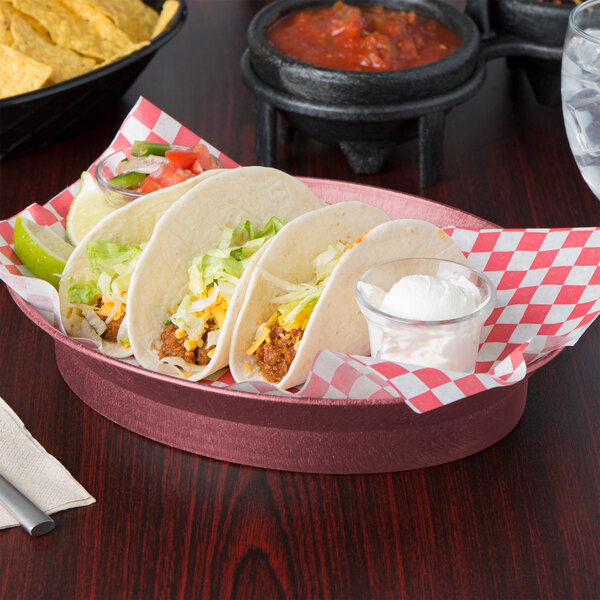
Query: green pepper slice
{"type": "Point", "coordinates": [128, 181]}
{"type": "Point", "coordinates": [146, 148]}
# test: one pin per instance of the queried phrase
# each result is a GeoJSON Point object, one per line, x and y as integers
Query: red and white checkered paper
{"type": "Point", "coordinates": [547, 282]}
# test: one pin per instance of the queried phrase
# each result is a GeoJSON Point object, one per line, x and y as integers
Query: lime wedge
{"type": "Point", "coordinates": [40, 249]}
{"type": "Point", "coordinates": [88, 207]}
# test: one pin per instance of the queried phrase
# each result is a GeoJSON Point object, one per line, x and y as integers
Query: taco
{"type": "Point", "coordinates": [189, 284]}
{"type": "Point", "coordinates": [94, 283]}
{"type": "Point", "coordinates": [302, 299]}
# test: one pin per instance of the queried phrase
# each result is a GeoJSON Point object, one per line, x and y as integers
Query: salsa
{"type": "Point", "coordinates": [153, 166]}
{"type": "Point", "coordinates": [362, 38]}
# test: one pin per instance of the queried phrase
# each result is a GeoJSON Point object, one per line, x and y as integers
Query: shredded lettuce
{"type": "Point", "coordinates": [297, 303]}
{"type": "Point", "coordinates": [112, 265]}
{"type": "Point", "coordinates": [84, 293]}
{"type": "Point", "coordinates": [214, 275]}
{"type": "Point", "coordinates": [109, 257]}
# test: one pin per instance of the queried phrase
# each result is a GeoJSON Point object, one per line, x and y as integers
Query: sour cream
{"type": "Point", "coordinates": [428, 298]}
{"type": "Point", "coordinates": [426, 320]}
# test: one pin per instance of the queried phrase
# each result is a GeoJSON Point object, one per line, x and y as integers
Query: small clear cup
{"type": "Point", "coordinates": [107, 168]}
{"type": "Point", "coordinates": [450, 344]}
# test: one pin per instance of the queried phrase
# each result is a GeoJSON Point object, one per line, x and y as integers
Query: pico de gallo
{"type": "Point", "coordinates": [154, 166]}
{"type": "Point", "coordinates": [362, 38]}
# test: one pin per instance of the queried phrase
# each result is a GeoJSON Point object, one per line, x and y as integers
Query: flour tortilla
{"type": "Point", "coordinates": [191, 227]}
{"type": "Point", "coordinates": [336, 322]}
{"type": "Point", "coordinates": [131, 224]}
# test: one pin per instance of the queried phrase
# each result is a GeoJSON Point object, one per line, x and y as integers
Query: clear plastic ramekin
{"type": "Point", "coordinates": [450, 344]}
{"type": "Point", "coordinates": [107, 168]}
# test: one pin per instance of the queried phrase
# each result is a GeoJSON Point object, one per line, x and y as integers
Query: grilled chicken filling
{"type": "Point", "coordinates": [112, 329]}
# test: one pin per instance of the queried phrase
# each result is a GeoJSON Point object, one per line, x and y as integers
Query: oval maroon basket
{"type": "Point", "coordinates": [294, 433]}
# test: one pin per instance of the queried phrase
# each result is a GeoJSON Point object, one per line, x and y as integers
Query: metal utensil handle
{"type": "Point", "coordinates": [34, 520]}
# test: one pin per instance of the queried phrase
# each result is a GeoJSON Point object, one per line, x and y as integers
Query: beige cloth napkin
{"type": "Point", "coordinates": [36, 473]}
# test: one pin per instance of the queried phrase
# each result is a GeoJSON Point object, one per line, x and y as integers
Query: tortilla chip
{"type": "Point", "coordinates": [130, 50]}
{"type": "Point", "coordinates": [87, 32]}
{"type": "Point", "coordinates": [19, 73]}
{"type": "Point", "coordinates": [170, 7]}
{"type": "Point", "coordinates": [8, 12]}
{"type": "Point", "coordinates": [73, 37]}
{"type": "Point", "coordinates": [133, 17]}
{"type": "Point", "coordinates": [64, 62]}
{"type": "Point", "coordinates": [5, 34]}
{"type": "Point", "coordinates": [6, 37]}
{"type": "Point", "coordinates": [101, 24]}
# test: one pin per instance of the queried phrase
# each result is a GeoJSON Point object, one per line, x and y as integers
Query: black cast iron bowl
{"type": "Point", "coordinates": [40, 118]}
{"type": "Point", "coordinates": [336, 86]}
{"type": "Point", "coordinates": [530, 33]}
{"type": "Point", "coordinates": [539, 21]}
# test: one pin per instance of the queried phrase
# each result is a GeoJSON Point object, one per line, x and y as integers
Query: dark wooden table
{"type": "Point", "coordinates": [519, 520]}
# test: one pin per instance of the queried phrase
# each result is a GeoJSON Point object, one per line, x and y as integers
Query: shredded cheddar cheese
{"type": "Point", "coordinates": [358, 240]}
{"type": "Point", "coordinates": [264, 334]}
{"type": "Point", "coordinates": [111, 309]}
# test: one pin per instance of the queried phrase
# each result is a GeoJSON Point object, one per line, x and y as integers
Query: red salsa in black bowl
{"type": "Point", "coordinates": [362, 38]}
{"type": "Point", "coordinates": [366, 52]}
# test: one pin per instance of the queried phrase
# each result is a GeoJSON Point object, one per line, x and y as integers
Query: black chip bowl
{"type": "Point", "coordinates": [37, 119]}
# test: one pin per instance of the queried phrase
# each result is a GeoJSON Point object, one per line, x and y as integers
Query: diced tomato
{"type": "Point", "coordinates": [408, 49]}
{"type": "Point", "coordinates": [204, 158]}
{"type": "Point", "coordinates": [170, 174]}
{"type": "Point", "coordinates": [377, 52]}
{"type": "Point", "coordinates": [394, 29]}
{"type": "Point", "coordinates": [182, 158]}
{"type": "Point", "coordinates": [347, 23]}
{"type": "Point", "coordinates": [197, 168]}
{"type": "Point", "coordinates": [150, 184]}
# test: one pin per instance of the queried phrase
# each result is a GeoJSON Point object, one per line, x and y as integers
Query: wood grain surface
{"type": "Point", "coordinates": [519, 520]}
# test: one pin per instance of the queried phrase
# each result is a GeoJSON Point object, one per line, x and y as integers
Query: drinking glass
{"type": "Point", "coordinates": [580, 90]}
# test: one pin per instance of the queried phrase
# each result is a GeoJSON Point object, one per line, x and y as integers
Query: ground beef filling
{"type": "Point", "coordinates": [171, 345]}
{"type": "Point", "coordinates": [275, 355]}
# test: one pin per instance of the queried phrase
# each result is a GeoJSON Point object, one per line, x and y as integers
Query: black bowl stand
{"type": "Point", "coordinates": [363, 155]}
